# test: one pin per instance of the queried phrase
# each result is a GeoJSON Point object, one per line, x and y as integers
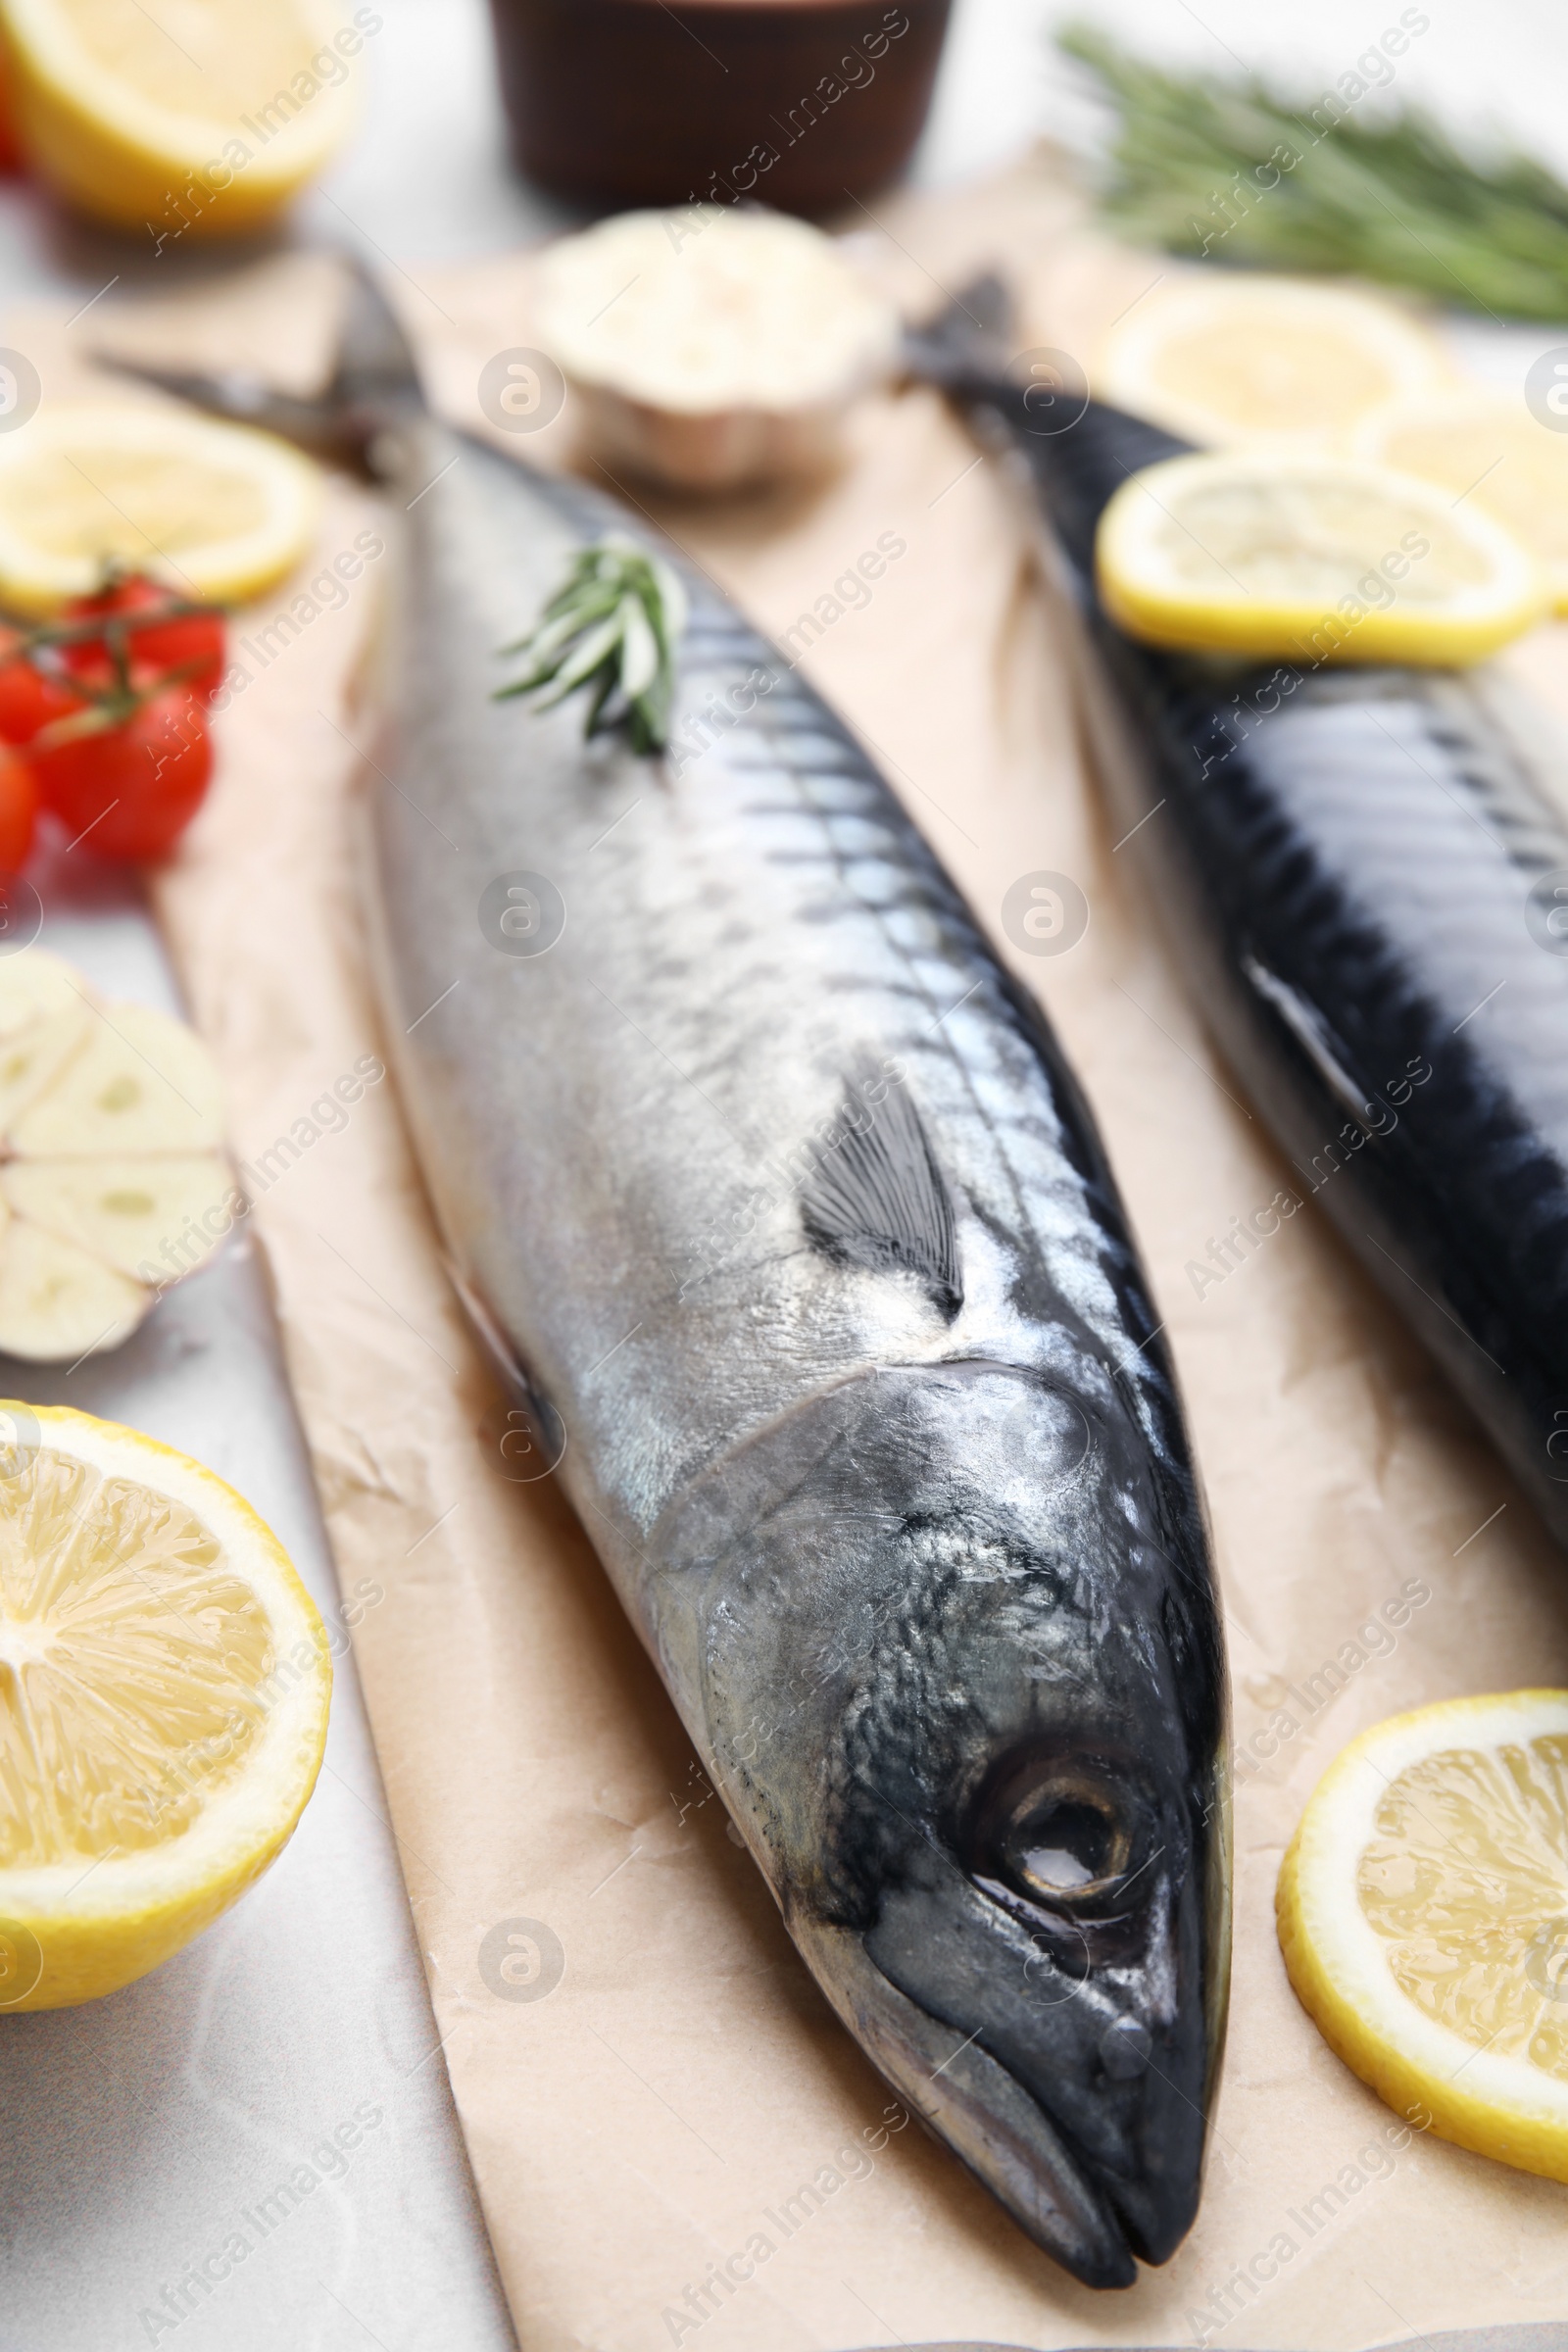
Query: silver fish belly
{"type": "Point", "coordinates": [779, 1197]}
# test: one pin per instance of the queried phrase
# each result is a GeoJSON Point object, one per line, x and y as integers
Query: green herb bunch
{"type": "Point", "coordinates": [609, 630]}
{"type": "Point", "coordinates": [1231, 170]}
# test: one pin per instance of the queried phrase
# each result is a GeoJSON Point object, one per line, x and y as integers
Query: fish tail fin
{"type": "Point", "coordinates": [375, 386]}
{"type": "Point", "coordinates": [1078, 450]}
{"type": "Point", "coordinates": [965, 349]}
{"type": "Point", "coordinates": [377, 376]}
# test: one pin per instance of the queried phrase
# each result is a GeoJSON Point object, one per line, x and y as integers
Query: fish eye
{"type": "Point", "coordinates": [1051, 1832]}
{"type": "Point", "coordinates": [1065, 1844]}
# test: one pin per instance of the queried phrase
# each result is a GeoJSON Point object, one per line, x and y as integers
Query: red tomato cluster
{"type": "Point", "coordinates": [103, 719]}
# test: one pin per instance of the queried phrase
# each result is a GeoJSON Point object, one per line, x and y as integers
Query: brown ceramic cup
{"type": "Point", "coordinates": [798, 104]}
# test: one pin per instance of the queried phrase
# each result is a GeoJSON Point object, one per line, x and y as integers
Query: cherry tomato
{"type": "Point", "coordinates": [18, 809]}
{"type": "Point", "coordinates": [190, 642]}
{"type": "Point", "coordinates": [31, 698]}
{"type": "Point", "coordinates": [129, 789]}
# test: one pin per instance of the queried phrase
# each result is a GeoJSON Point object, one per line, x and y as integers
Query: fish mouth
{"type": "Point", "coordinates": [998, 2126]}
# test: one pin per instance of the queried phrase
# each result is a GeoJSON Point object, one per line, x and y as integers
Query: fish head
{"type": "Point", "coordinates": [972, 1630]}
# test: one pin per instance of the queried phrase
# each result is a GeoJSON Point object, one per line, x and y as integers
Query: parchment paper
{"type": "Point", "coordinates": [646, 2074]}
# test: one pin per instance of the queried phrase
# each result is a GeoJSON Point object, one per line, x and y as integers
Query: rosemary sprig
{"type": "Point", "coordinates": [1235, 170]}
{"type": "Point", "coordinates": [609, 630]}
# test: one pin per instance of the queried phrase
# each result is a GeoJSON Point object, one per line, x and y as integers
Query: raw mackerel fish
{"type": "Point", "coordinates": [1364, 873]}
{"type": "Point", "coordinates": [774, 1194]}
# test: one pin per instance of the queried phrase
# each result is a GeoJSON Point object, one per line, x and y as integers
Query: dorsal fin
{"type": "Point", "coordinates": [878, 1199]}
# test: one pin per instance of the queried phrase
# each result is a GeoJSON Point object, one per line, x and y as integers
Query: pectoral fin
{"type": "Point", "coordinates": [877, 1198]}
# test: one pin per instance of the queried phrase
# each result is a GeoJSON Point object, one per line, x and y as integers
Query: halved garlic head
{"type": "Point", "coordinates": [59, 1303]}
{"type": "Point", "coordinates": [112, 1181]}
{"type": "Point", "coordinates": [709, 346]}
{"type": "Point", "coordinates": [35, 983]}
{"type": "Point", "coordinates": [136, 1082]}
{"type": "Point", "coordinates": [121, 1211]}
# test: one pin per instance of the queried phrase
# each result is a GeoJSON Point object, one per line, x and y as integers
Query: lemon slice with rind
{"type": "Point", "coordinates": [199, 120]}
{"type": "Point", "coordinates": [217, 512]}
{"type": "Point", "coordinates": [1423, 1916]}
{"type": "Point", "coordinates": [1231, 359]}
{"type": "Point", "coordinates": [1308, 558]}
{"type": "Point", "coordinates": [163, 1687]}
{"type": "Point", "coordinates": [1483, 444]}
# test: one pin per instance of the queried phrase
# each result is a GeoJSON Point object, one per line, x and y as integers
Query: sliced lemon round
{"type": "Point", "coordinates": [113, 1179]}
{"type": "Point", "coordinates": [1482, 445]}
{"type": "Point", "coordinates": [163, 1687]}
{"type": "Point", "coordinates": [219, 512]}
{"type": "Point", "coordinates": [1229, 358]}
{"type": "Point", "coordinates": [1308, 558]}
{"type": "Point", "coordinates": [200, 120]}
{"type": "Point", "coordinates": [1423, 1916]}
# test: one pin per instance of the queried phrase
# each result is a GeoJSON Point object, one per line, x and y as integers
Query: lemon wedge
{"type": "Point", "coordinates": [1484, 445]}
{"type": "Point", "coordinates": [1423, 1916]}
{"type": "Point", "coordinates": [219, 512]}
{"type": "Point", "coordinates": [163, 1687]}
{"type": "Point", "coordinates": [1308, 558]}
{"type": "Point", "coordinates": [1229, 358]}
{"type": "Point", "coordinates": [197, 120]}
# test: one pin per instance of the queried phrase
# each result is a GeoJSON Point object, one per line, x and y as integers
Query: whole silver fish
{"type": "Point", "coordinates": [777, 1195]}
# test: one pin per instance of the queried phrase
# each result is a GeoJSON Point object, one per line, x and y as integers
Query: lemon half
{"type": "Point", "coordinates": [198, 117]}
{"type": "Point", "coordinates": [1308, 558]}
{"type": "Point", "coordinates": [1232, 359]}
{"type": "Point", "coordinates": [163, 1687]}
{"type": "Point", "coordinates": [219, 512]}
{"type": "Point", "coordinates": [1484, 445]}
{"type": "Point", "coordinates": [1423, 1915]}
